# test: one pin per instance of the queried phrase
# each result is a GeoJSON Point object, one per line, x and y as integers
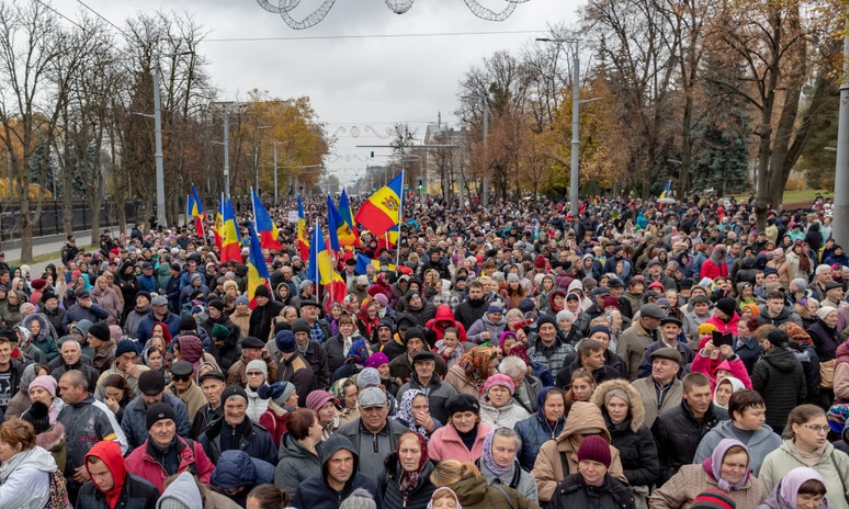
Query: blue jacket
{"type": "Point", "coordinates": [236, 469]}
{"type": "Point", "coordinates": [76, 313]}
{"type": "Point", "coordinates": [535, 431]}
{"type": "Point", "coordinates": [145, 330]}
{"type": "Point", "coordinates": [315, 493]}
{"type": "Point", "coordinates": [134, 422]}
{"type": "Point", "coordinates": [148, 283]}
{"type": "Point", "coordinates": [253, 439]}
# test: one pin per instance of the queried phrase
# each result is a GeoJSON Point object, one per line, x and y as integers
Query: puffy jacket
{"type": "Point", "coordinates": [315, 493]}
{"type": "Point", "coordinates": [631, 437]}
{"type": "Point", "coordinates": [142, 463]}
{"type": "Point", "coordinates": [548, 468]}
{"type": "Point", "coordinates": [446, 444]}
{"type": "Point", "coordinates": [535, 431]}
{"type": "Point", "coordinates": [729, 327]}
{"type": "Point", "coordinates": [503, 417]}
{"type": "Point", "coordinates": [134, 422]}
{"type": "Point", "coordinates": [392, 496]}
{"type": "Point", "coordinates": [25, 483]}
{"type": "Point", "coordinates": [252, 439]}
{"type": "Point", "coordinates": [46, 338]}
{"type": "Point", "coordinates": [438, 393]}
{"type": "Point", "coordinates": [680, 491]}
{"type": "Point", "coordinates": [236, 469]}
{"type": "Point", "coordinates": [484, 324]}
{"type": "Point", "coordinates": [678, 433]}
{"type": "Point", "coordinates": [145, 328]}
{"type": "Point", "coordinates": [476, 493]}
{"type": "Point", "coordinates": [295, 464]}
{"type": "Point", "coordinates": [715, 266]}
{"type": "Point", "coordinates": [760, 443]}
{"type": "Point", "coordinates": [779, 378]}
{"type": "Point", "coordinates": [574, 492]}
{"type": "Point", "coordinates": [131, 491]}
{"type": "Point", "coordinates": [709, 367]}
{"type": "Point", "coordinates": [833, 466]}
{"type": "Point", "coordinates": [134, 318]}
{"type": "Point", "coordinates": [444, 314]}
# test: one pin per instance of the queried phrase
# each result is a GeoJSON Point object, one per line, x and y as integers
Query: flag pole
{"type": "Point", "coordinates": [400, 218]}
{"type": "Point", "coordinates": [317, 268]}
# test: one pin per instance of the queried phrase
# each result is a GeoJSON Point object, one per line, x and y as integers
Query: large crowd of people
{"type": "Point", "coordinates": [511, 356]}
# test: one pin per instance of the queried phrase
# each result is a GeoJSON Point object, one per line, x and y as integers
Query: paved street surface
{"type": "Point", "coordinates": [47, 245]}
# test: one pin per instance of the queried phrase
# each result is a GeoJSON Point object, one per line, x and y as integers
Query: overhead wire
{"type": "Point", "coordinates": [371, 36]}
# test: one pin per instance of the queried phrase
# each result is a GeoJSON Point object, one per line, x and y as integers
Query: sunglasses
{"type": "Point", "coordinates": [181, 378]}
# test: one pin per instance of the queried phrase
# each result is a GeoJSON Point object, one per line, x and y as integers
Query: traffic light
{"type": "Point", "coordinates": [372, 155]}
{"type": "Point", "coordinates": [420, 185]}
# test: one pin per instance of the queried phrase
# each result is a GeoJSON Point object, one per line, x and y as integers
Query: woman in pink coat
{"type": "Point", "coordinates": [717, 363]}
{"type": "Point", "coordinates": [462, 439]}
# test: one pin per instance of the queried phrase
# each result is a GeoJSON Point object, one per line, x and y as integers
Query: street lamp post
{"type": "Point", "coordinates": [157, 120]}
{"type": "Point", "coordinates": [576, 102]}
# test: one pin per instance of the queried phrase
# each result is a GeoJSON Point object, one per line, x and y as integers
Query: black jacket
{"type": "Point", "coordinates": [779, 378]}
{"type": "Point", "coordinates": [677, 434]}
{"type": "Point", "coordinates": [137, 493]}
{"type": "Point", "coordinates": [573, 492]}
{"type": "Point", "coordinates": [468, 312]}
{"type": "Point", "coordinates": [564, 376]}
{"type": "Point", "coordinates": [255, 440]}
{"type": "Point", "coordinates": [392, 497]}
{"type": "Point", "coordinates": [637, 451]}
{"type": "Point", "coordinates": [260, 321]}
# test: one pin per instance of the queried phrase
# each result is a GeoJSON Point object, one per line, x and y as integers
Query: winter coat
{"type": "Point", "coordinates": [134, 422]}
{"type": "Point", "coordinates": [238, 468]}
{"type": "Point", "coordinates": [779, 378]}
{"type": "Point", "coordinates": [515, 478]}
{"type": "Point", "coordinates": [361, 438]}
{"type": "Point", "coordinates": [476, 493]}
{"type": "Point", "coordinates": [680, 491]}
{"type": "Point", "coordinates": [336, 351]}
{"type": "Point", "coordinates": [749, 352]}
{"type": "Point", "coordinates": [392, 496]}
{"type": "Point", "coordinates": [108, 299]}
{"type": "Point", "coordinates": [298, 371]}
{"type": "Point", "coordinates": [438, 393]}
{"type": "Point", "coordinates": [146, 324]}
{"type": "Point", "coordinates": [401, 367]}
{"type": "Point", "coordinates": [825, 339]}
{"type": "Point", "coordinates": [787, 490]}
{"type": "Point", "coordinates": [25, 479]}
{"type": "Point", "coordinates": [504, 417]}
{"type": "Point", "coordinates": [295, 464]}
{"type": "Point", "coordinates": [75, 313]}
{"type": "Point", "coordinates": [484, 324]}
{"type": "Point", "coordinates": [632, 345]}
{"type": "Point", "coordinates": [253, 439]}
{"type": "Point", "coordinates": [715, 266]}
{"type": "Point", "coordinates": [729, 327]}
{"type": "Point", "coordinates": [708, 367]}
{"type": "Point", "coordinates": [631, 438]}
{"type": "Point", "coordinates": [47, 337]}
{"type": "Point", "coordinates": [761, 443]}
{"type": "Point", "coordinates": [535, 431]}
{"type": "Point", "coordinates": [574, 492]}
{"type": "Point", "coordinates": [134, 318]}
{"type": "Point", "coordinates": [142, 462]}
{"type": "Point", "coordinates": [242, 321]}
{"type": "Point", "coordinates": [548, 468]}
{"type": "Point", "coordinates": [678, 433]}
{"type": "Point", "coordinates": [833, 466]}
{"type": "Point", "coordinates": [691, 321]}
{"type": "Point", "coordinates": [786, 315]}
{"type": "Point", "coordinates": [136, 492]}
{"type": "Point", "coordinates": [193, 398]}
{"type": "Point", "coordinates": [315, 493]}
{"type": "Point", "coordinates": [553, 357]}
{"type": "Point", "coordinates": [446, 444]}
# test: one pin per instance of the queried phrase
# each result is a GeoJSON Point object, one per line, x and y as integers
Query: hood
{"type": "Point", "coordinates": [718, 255]}
{"type": "Point", "coordinates": [736, 385]}
{"type": "Point", "coordinates": [289, 447]}
{"type": "Point", "coordinates": [788, 487]}
{"type": "Point", "coordinates": [27, 377]}
{"type": "Point", "coordinates": [443, 313]}
{"type": "Point", "coordinates": [637, 412]}
{"type": "Point", "coordinates": [236, 468]}
{"type": "Point", "coordinates": [760, 261]}
{"type": "Point", "coordinates": [576, 285]}
{"type": "Point", "coordinates": [191, 348]}
{"type": "Point", "coordinates": [747, 263]}
{"type": "Point", "coordinates": [781, 359]}
{"type": "Point", "coordinates": [42, 321]}
{"type": "Point", "coordinates": [183, 489]}
{"type": "Point", "coordinates": [445, 488]}
{"type": "Point", "coordinates": [334, 444]}
{"type": "Point", "coordinates": [110, 454]}
{"type": "Point", "coordinates": [583, 416]}
{"type": "Point", "coordinates": [405, 318]}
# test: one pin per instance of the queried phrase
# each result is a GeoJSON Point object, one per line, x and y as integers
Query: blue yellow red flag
{"type": "Point", "coordinates": [219, 223]}
{"type": "Point", "coordinates": [383, 209]}
{"type": "Point", "coordinates": [321, 271]}
{"type": "Point", "coordinates": [303, 241]}
{"type": "Point", "coordinates": [348, 216]}
{"type": "Point", "coordinates": [257, 269]}
{"type": "Point", "coordinates": [231, 248]}
{"type": "Point", "coordinates": [364, 261]}
{"type": "Point", "coordinates": [269, 235]}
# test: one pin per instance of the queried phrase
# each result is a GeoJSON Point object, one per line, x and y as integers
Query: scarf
{"type": "Point", "coordinates": [488, 460]}
{"type": "Point", "coordinates": [405, 411]}
{"type": "Point", "coordinates": [475, 363]}
{"type": "Point", "coordinates": [358, 353]}
{"type": "Point", "coordinates": [408, 481]}
{"type": "Point", "coordinates": [713, 464]}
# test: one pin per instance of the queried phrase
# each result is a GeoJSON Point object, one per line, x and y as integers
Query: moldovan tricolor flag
{"type": "Point", "coordinates": [230, 241]}
{"type": "Point", "coordinates": [269, 235]}
{"type": "Point", "coordinates": [382, 210]}
{"type": "Point", "coordinates": [340, 233]}
{"type": "Point", "coordinates": [257, 269]}
{"type": "Point", "coordinates": [303, 241]}
{"type": "Point", "coordinates": [218, 230]}
{"type": "Point", "coordinates": [321, 271]}
{"type": "Point", "coordinates": [348, 216]}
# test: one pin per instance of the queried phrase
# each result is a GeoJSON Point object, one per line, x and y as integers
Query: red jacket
{"type": "Point", "coordinates": [439, 323]}
{"type": "Point", "coordinates": [142, 464]}
{"type": "Point", "coordinates": [709, 367]}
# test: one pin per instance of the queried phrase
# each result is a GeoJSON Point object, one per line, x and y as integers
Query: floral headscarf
{"type": "Point", "coordinates": [475, 363]}
{"type": "Point", "coordinates": [337, 390]}
{"type": "Point", "coordinates": [358, 353]}
{"type": "Point", "coordinates": [405, 411]}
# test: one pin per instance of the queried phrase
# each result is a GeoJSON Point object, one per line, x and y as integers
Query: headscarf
{"type": "Point", "coordinates": [408, 481]}
{"type": "Point", "coordinates": [337, 390]}
{"type": "Point", "coordinates": [488, 460]}
{"type": "Point", "coordinates": [794, 480]}
{"type": "Point", "coordinates": [445, 488]}
{"type": "Point", "coordinates": [405, 411]}
{"type": "Point", "coordinates": [475, 363]}
{"type": "Point", "coordinates": [358, 354]}
{"type": "Point", "coordinates": [713, 464]}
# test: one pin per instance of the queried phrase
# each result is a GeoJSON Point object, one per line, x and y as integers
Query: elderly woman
{"type": "Point", "coordinates": [406, 483]}
{"type": "Point", "coordinates": [802, 488]}
{"type": "Point", "coordinates": [471, 373]}
{"type": "Point", "coordinates": [499, 466]}
{"type": "Point", "coordinates": [21, 401]}
{"type": "Point", "coordinates": [345, 392]}
{"type": "Point", "coordinates": [26, 468]}
{"type": "Point", "coordinates": [472, 489]}
{"type": "Point", "coordinates": [546, 424]}
{"type": "Point", "coordinates": [43, 414]}
{"type": "Point", "coordinates": [42, 335]}
{"type": "Point", "coordinates": [498, 408]}
{"type": "Point", "coordinates": [747, 411]}
{"type": "Point", "coordinates": [592, 485]}
{"type": "Point", "coordinates": [462, 438]}
{"type": "Point", "coordinates": [727, 468]}
{"type": "Point", "coordinates": [414, 413]}
{"type": "Point", "coordinates": [806, 445]}
{"type": "Point", "coordinates": [622, 408]}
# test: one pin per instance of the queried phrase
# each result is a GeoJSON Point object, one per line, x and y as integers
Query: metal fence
{"type": "Point", "coordinates": [50, 222]}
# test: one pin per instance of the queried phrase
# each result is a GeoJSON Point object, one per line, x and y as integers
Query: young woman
{"type": "Point", "coordinates": [581, 388]}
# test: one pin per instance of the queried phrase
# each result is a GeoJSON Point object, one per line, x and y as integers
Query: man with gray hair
{"type": "Point", "coordinates": [374, 435]}
{"type": "Point", "coordinates": [527, 385]}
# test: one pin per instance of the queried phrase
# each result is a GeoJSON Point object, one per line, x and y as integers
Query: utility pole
{"type": "Point", "coordinates": [226, 154]}
{"type": "Point", "coordinates": [274, 146]}
{"type": "Point", "coordinates": [486, 152]}
{"type": "Point", "coordinates": [841, 175]}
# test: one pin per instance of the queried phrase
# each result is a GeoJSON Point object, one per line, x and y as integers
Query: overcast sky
{"type": "Point", "coordinates": [370, 82]}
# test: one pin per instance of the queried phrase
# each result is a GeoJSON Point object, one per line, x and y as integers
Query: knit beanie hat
{"type": "Point", "coordinates": [376, 360]}
{"type": "Point", "coordinates": [241, 299]}
{"type": "Point", "coordinates": [187, 323]}
{"type": "Point", "coordinates": [359, 499]}
{"type": "Point", "coordinates": [278, 392]}
{"type": "Point", "coordinates": [318, 398]}
{"type": "Point", "coordinates": [824, 311]}
{"type": "Point", "coordinates": [233, 390]}
{"type": "Point", "coordinates": [257, 365]}
{"type": "Point", "coordinates": [565, 314]}
{"type": "Point", "coordinates": [499, 379]}
{"type": "Point", "coordinates": [300, 325]}
{"type": "Point", "coordinates": [219, 332]}
{"type": "Point", "coordinates": [800, 283]}
{"type": "Point", "coordinates": [100, 330]}
{"type": "Point", "coordinates": [158, 412]}
{"type": "Point", "coordinates": [368, 377]}
{"type": "Point", "coordinates": [595, 448]}
{"type": "Point", "coordinates": [37, 415]}
{"type": "Point", "coordinates": [713, 498]}
{"type": "Point", "coordinates": [285, 341]}
{"type": "Point", "coordinates": [46, 382]}
{"type": "Point", "coordinates": [727, 305]}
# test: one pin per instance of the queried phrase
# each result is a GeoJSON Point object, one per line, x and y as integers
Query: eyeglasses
{"type": "Point", "coordinates": [255, 373]}
{"type": "Point", "coordinates": [817, 428]}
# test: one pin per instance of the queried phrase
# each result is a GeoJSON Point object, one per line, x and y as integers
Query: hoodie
{"type": "Point", "coordinates": [183, 489]}
{"type": "Point", "coordinates": [127, 489]}
{"type": "Point", "coordinates": [441, 320]}
{"type": "Point", "coordinates": [236, 469]}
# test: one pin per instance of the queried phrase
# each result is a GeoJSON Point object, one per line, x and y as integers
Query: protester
{"type": "Point", "coordinates": [25, 468]}
{"type": "Point", "coordinates": [406, 482]}
{"type": "Point", "coordinates": [472, 490]}
{"type": "Point", "coordinates": [592, 485]}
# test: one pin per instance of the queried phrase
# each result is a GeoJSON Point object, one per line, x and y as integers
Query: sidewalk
{"type": "Point", "coordinates": [44, 245]}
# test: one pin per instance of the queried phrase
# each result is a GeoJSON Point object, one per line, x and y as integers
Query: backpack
{"type": "Point", "coordinates": [58, 492]}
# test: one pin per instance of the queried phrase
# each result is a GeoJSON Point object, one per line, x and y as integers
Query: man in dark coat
{"type": "Point", "coordinates": [590, 356]}
{"type": "Point", "coordinates": [292, 366]}
{"type": "Point", "coordinates": [236, 431]}
{"type": "Point", "coordinates": [678, 431]}
{"type": "Point", "coordinates": [780, 378]}
{"type": "Point", "coordinates": [473, 308]}
{"type": "Point", "coordinates": [261, 316]}
{"type": "Point", "coordinates": [340, 476]}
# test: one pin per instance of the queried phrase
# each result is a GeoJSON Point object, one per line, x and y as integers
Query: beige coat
{"type": "Point", "coordinates": [645, 386]}
{"type": "Point", "coordinates": [548, 469]}
{"type": "Point", "coordinates": [456, 378]}
{"type": "Point", "coordinates": [632, 345]}
{"type": "Point", "coordinates": [193, 398]}
{"type": "Point", "coordinates": [680, 491]}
